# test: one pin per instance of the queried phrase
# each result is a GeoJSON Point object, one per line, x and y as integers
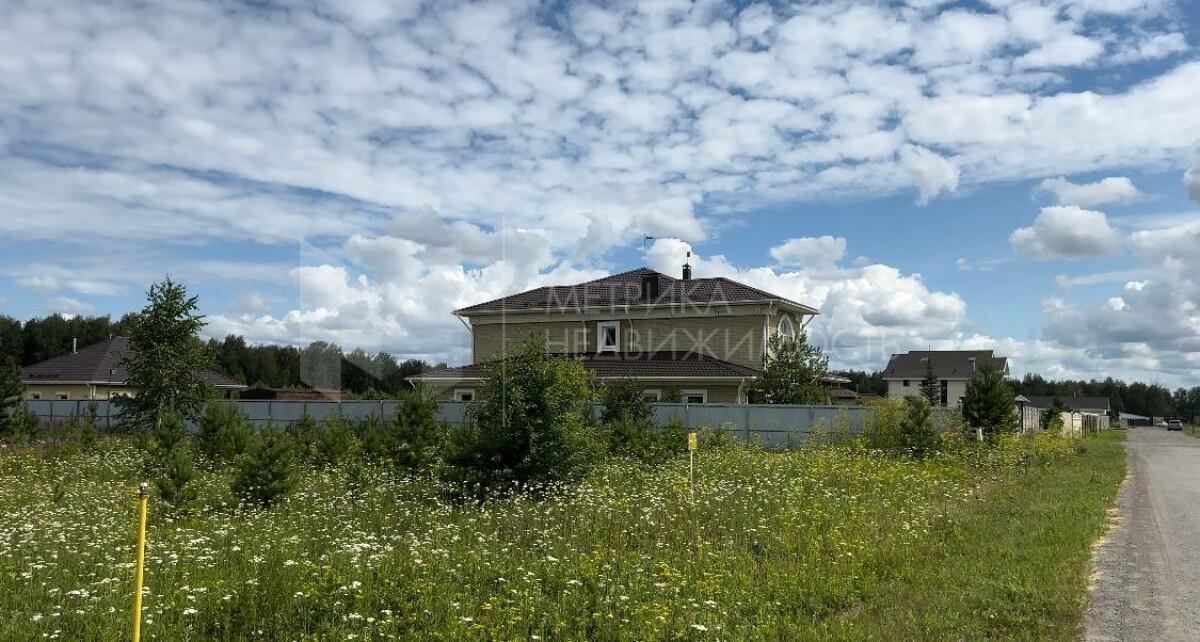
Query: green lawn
{"type": "Point", "coordinates": [827, 542]}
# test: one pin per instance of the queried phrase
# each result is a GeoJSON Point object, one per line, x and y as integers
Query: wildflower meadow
{"type": "Point", "coordinates": [830, 541]}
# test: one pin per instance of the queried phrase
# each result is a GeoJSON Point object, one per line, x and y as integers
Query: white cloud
{"type": "Point", "coordinates": [435, 156]}
{"type": "Point", "coordinates": [822, 251]}
{"type": "Point", "coordinates": [1067, 232]}
{"type": "Point", "coordinates": [931, 173]}
{"type": "Point", "coordinates": [67, 306]}
{"type": "Point", "coordinates": [867, 312]}
{"type": "Point", "coordinates": [1113, 189]}
{"type": "Point", "coordinates": [1152, 47]}
{"type": "Point", "coordinates": [39, 284]}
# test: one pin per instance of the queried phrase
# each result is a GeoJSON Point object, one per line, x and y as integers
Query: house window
{"type": "Point", "coordinates": [653, 393]}
{"type": "Point", "coordinates": [906, 383]}
{"type": "Point", "coordinates": [694, 396]}
{"type": "Point", "coordinates": [786, 331]}
{"type": "Point", "coordinates": [35, 395]}
{"type": "Point", "coordinates": [608, 336]}
{"type": "Point", "coordinates": [464, 394]}
{"type": "Point", "coordinates": [63, 395]}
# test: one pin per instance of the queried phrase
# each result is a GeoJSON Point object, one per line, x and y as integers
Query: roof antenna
{"type": "Point", "coordinates": [687, 267]}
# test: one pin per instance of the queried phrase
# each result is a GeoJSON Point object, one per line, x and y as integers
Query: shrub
{"type": "Point", "coordinates": [533, 427]}
{"type": "Point", "coordinates": [82, 427]}
{"type": "Point", "coordinates": [624, 400]}
{"type": "Point", "coordinates": [223, 433]}
{"type": "Point", "coordinates": [266, 472]}
{"type": "Point", "coordinates": [176, 474]}
{"type": "Point", "coordinates": [917, 436]}
{"type": "Point", "coordinates": [417, 434]}
{"type": "Point", "coordinates": [989, 403]}
{"type": "Point", "coordinates": [886, 418]}
{"type": "Point", "coordinates": [21, 426]}
{"type": "Point", "coordinates": [335, 441]}
{"type": "Point", "coordinates": [305, 432]}
{"type": "Point", "coordinates": [170, 460]}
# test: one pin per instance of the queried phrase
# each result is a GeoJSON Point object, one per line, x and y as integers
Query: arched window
{"type": "Point", "coordinates": [786, 331]}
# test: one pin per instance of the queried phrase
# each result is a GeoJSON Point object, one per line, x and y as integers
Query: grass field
{"type": "Point", "coordinates": [828, 542]}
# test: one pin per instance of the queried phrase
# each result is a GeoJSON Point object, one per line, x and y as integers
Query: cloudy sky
{"type": "Point", "coordinates": [1016, 175]}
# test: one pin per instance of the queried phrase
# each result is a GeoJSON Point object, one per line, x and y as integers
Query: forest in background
{"type": "Point", "coordinates": [373, 375]}
{"type": "Point", "coordinates": [318, 365]}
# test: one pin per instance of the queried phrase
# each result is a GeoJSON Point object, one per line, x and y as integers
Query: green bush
{"type": "Point", "coordinates": [305, 432]}
{"type": "Point", "coordinates": [418, 435]}
{"type": "Point", "coordinates": [223, 433]}
{"type": "Point", "coordinates": [625, 401]}
{"type": "Point", "coordinates": [267, 471]}
{"type": "Point", "coordinates": [83, 427]}
{"type": "Point", "coordinates": [170, 460]}
{"type": "Point", "coordinates": [917, 436]}
{"type": "Point", "coordinates": [174, 481]}
{"type": "Point", "coordinates": [335, 441]}
{"type": "Point", "coordinates": [534, 426]}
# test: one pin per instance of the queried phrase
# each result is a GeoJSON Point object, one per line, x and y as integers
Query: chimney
{"type": "Point", "coordinates": [74, 345]}
{"type": "Point", "coordinates": [687, 268]}
{"type": "Point", "coordinates": [972, 360]}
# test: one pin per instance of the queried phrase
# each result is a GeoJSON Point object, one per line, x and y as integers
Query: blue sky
{"type": "Point", "coordinates": [1008, 174]}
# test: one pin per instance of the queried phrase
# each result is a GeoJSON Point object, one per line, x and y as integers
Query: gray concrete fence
{"type": "Point", "coordinates": [770, 425]}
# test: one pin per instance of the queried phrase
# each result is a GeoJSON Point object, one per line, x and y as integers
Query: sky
{"type": "Point", "coordinates": [1022, 176]}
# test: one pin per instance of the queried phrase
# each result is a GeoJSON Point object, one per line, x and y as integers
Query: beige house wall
{"type": "Point", "coordinates": [956, 389]}
{"type": "Point", "coordinates": [738, 339]}
{"type": "Point", "coordinates": [717, 392]}
{"type": "Point", "coordinates": [74, 391]}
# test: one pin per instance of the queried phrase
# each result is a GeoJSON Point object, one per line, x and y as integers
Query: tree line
{"type": "Point", "coordinates": [357, 373]}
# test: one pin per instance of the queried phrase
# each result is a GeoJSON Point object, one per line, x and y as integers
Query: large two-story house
{"type": "Point", "coordinates": [952, 368]}
{"type": "Point", "coordinates": [702, 337]}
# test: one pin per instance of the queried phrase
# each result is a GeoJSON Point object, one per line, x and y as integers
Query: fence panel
{"type": "Point", "coordinates": [771, 425]}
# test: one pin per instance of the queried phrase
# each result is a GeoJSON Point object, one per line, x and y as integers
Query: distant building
{"type": "Point", "coordinates": [953, 369]}
{"type": "Point", "coordinates": [1087, 405]}
{"type": "Point", "coordinates": [97, 372]}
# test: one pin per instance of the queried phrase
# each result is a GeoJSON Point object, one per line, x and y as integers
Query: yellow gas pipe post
{"type": "Point", "coordinates": [143, 496]}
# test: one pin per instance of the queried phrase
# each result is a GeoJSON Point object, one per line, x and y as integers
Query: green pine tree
{"type": "Point", "coordinates": [1052, 420]}
{"type": "Point", "coordinates": [171, 461]}
{"type": "Point", "coordinates": [931, 388]}
{"type": "Point", "coordinates": [917, 434]}
{"type": "Point", "coordinates": [223, 433]}
{"type": "Point", "coordinates": [167, 358]}
{"type": "Point", "coordinates": [267, 471]}
{"type": "Point", "coordinates": [11, 390]}
{"type": "Point", "coordinates": [418, 433]}
{"type": "Point", "coordinates": [989, 403]}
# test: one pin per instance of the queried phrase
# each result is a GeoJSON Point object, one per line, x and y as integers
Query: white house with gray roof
{"type": "Point", "coordinates": [953, 369]}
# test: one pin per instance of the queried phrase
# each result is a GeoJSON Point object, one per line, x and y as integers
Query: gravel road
{"type": "Point", "coordinates": [1147, 581]}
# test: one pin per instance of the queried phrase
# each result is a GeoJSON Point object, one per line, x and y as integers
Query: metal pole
{"type": "Point", "coordinates": [143, 496]}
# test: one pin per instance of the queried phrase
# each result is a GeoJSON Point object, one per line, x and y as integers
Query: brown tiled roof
{"type": "Point", "coordinates": [626, 289]}
{"type": "Point", "coordinates": [947, 364]}
{"type": "Point", "coordinates": [621, 365]}
{"type": "Point", "coordinates": [100, 363]}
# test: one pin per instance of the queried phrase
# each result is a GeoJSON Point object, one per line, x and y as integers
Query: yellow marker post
{"type": "Point", "coordinates": [692, 443]}
{"type": "Point", "coordinates": [143, 497]}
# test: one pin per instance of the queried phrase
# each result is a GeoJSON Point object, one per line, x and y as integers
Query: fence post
{"type": "Point", "coordinates": [746, 422]}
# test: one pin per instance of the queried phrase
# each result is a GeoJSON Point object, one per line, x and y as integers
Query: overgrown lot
{"type": "Point", "coordinates": [828, 542]}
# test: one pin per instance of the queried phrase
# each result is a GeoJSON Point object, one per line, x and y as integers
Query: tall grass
{"type": "Point", "coordinates": [823, 542]}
